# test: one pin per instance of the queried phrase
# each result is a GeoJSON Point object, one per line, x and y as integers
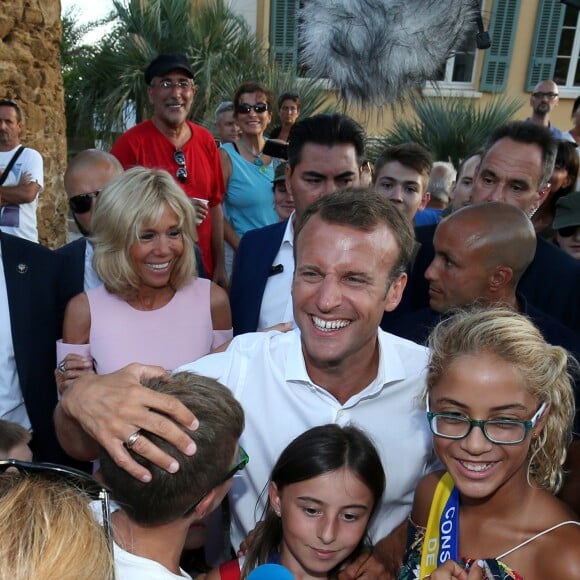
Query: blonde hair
{"type": "Point", "coordinates": [132, 201]}
{"type": "Point", "coordinates": [48, 531]}
{"type": "Point", "coordinates": [544, 369]}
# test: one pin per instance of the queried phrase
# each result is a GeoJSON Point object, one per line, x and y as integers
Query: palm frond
{"type": "Point", "coordinates": [449, 128]}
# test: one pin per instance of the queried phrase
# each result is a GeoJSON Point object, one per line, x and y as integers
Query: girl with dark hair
{"type": "Point", "coordinates": [323, 491]}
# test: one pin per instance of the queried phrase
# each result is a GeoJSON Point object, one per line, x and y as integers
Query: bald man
{"type": "Point", "coordinates": [86, 175]}
{"type": "Point", "coordinates": [481, 253]}
{"type": "Point", "coordinates": [543, 101]}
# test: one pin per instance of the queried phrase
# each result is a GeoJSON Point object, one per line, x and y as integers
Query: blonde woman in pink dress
{"type": "Point", "coordinates": [151, 308]}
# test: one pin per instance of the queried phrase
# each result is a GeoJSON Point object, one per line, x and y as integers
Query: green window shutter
{"type": "Point", "coordinates": [284, 33]}
{"type": "Point", "coordinates": [546, 41]}
{"type": "Point", "coordinates": [502, 28]}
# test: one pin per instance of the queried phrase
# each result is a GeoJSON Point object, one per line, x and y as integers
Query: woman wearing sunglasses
{"type": "Point", "coordinates": [151, 307]}
{"type": "Point", "coordinates": [248, 173]}
{"type": "Point", "coordinates": [567, 224]}
{"type": "Point", "coordinates": [500, 406]}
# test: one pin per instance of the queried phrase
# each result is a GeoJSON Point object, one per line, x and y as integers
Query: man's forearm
{"type": "Point", "coordinates": [72, 437]}
{"type": "Point", "coordinates": [17, 194]}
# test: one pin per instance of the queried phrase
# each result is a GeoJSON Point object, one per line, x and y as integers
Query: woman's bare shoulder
{"type": "Point", "coordinates": [424, 496]}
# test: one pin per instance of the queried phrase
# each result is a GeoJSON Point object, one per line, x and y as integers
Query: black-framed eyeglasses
{"type": "Point", "coordinates": [179, 158]}
{"type": "Point", "coordinates": [568, 231]}
{"type": "Point", "coordinates": [83, 202]}
{"type": "Point", "coordinates": [541, 95]}
{"type": "Point", "coordinates": [245, 108]}
{"type": "Point", "coordinates": [499, 431]}
{"type": "Point", "coordinates": [241, 461]}
{"type": "Point", "coordinates": [75, 478]}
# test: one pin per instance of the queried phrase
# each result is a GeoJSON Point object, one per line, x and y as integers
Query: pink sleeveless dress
{"type": "Point", "coordinates": [178, 333]}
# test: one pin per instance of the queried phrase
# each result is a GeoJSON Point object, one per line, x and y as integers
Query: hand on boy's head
{"type": "Point", "coordinates": [365, 566]}
{"type": "Point", "coordinates": [112, 407]}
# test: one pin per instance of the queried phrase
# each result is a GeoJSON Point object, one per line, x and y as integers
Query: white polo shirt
{"type": "Point", "coordinates": [267, 374]}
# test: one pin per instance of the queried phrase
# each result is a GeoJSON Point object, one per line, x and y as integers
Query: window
{"type": "Point", "coordinates": [567, 71]}
{"type": "Point", "coordinates": [460, 67]}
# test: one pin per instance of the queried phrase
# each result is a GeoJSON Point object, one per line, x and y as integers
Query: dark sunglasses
{"type": "Point", "coordinates": [82, 203]}
{"type": "Point", "coordinates": [244, 108]}
{"type": "Point", "coordinates": [568, 231]}
{"type": "Point", "coordinates": [243, 459]}
{"type": "Point", "coordinates": [73, 477]}
{"type": "Point", "coordinates": [179, 158]}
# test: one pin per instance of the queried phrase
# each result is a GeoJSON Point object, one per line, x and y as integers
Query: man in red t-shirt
{"type": "Point", "coordinates": [169, 141]}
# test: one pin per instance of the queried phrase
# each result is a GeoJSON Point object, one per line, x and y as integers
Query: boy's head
{"type": "Point", "coordinates": [14, 440]}
{"type": "Point", "coordinates": [402, 174]}
{"type": "Point", "coordinates": [168, 496]}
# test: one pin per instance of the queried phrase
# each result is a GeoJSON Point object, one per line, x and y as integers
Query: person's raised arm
{"type": "Point", "coordinates": [107, 409]}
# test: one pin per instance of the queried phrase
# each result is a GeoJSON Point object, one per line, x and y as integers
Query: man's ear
{"type": "Point", "coordinates": [424, 201]}
{"type": "Point", "coordinates": [205, 506]}
{"type": "Point", "coordinates": [149, 89]}
{"type": "Point", "coordinates": [395, 292]}
{"type": "Point", "coordinates": [288, 173]}
{"type": "Point", "coordinates": [500, 277]}
{"type": "Point", "coordinates": [543, 194]}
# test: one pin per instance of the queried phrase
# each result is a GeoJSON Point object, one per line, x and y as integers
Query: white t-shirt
{"type": "Point", "coordinates": [131, 567]}
{"type": "Point", "coordinates": [20, 220]}
{"type": "Point", "coordinates": [12, 407]}
{"type": "Point", "coordinates": [267, 374]}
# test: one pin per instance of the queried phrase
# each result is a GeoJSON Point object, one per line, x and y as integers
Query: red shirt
{"type": "Point", "coordinates": [145, 145]}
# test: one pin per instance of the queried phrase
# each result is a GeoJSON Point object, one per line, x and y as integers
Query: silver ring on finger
{"type": "Point", "coordinates": [132, 439]}
{"type": "Point", "coordinates": [61, 366]}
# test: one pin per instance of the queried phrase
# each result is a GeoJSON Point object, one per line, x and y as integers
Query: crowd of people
{"type": "Point", "coordinates": [269, 353]}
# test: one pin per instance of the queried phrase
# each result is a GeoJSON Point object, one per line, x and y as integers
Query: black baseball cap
{"type": "Point", "coordinates": [165, 63]}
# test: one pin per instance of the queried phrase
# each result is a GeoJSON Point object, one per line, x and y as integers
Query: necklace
{"type": "Point", "coordinates": [258, 161]}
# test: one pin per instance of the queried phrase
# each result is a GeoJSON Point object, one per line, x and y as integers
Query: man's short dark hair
{"type": "Point", "coordinates": [168, 495]}
{"type": "Point", "coordinates": [364, 209]}
{"type": "Point", "coordinates": [530, 134]}
{"type": "Point", "coordinates": [327, 129]}
{"type": "Point", "coordinates": [288, 96]}
{"type": "Point", "coordinates": [409, 155]}
{"type": "Point", "coordinates": [14, 105]}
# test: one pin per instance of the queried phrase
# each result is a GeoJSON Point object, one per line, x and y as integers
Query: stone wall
{"type": "Point", "coordinates": [30, 33]}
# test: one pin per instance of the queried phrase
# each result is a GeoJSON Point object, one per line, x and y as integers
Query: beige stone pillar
{"type": "Point", "coordinates": [30, 74]}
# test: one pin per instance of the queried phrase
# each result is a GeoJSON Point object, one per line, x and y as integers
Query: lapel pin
{"type": "Point", "coordinates": [22, 268]}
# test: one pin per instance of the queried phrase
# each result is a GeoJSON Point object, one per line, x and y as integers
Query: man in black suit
{"type": "Point", "coordinates": [33, 294]}
{"type": "Point", "coordinates": [325, 153]}
{"type": "Point", "coordinates": [515, 168]}
{"type": "Point", "coordinates": [86, 175]}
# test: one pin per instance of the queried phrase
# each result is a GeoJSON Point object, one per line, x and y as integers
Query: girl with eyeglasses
{"type": "Point", "coordinates": [322, 493]}
{"type": "Point", "coordinates": [500, 405]}
{"type": "Point", "coordinates": [248, 172]}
